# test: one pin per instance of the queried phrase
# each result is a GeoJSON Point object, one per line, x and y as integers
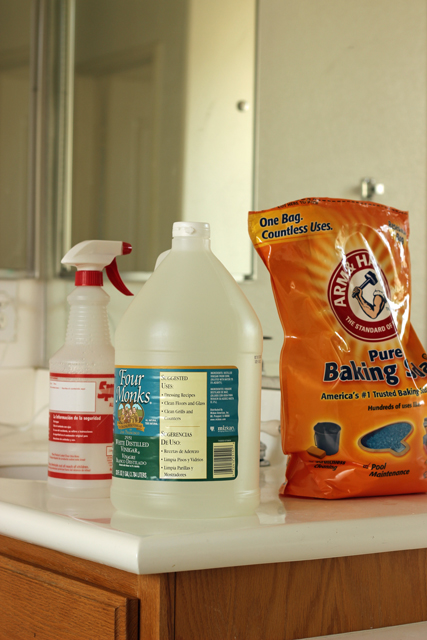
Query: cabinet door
{"type": "Point", "coordinates": [36, 603]}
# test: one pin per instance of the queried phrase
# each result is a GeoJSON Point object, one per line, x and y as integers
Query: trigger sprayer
{"type": "Point", "coordinates": [92, 256]}
{"type": "Point", "coordinates": [82, 378]}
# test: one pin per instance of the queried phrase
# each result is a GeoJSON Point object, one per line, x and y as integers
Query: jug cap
{"type": "Point", "coordinates": [190, 229]}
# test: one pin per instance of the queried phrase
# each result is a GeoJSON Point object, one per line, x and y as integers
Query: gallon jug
{"type": "Point", "coordinates": [187, 390]}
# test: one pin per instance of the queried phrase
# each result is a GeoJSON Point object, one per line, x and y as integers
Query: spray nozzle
{"type": "Point", "coordinates": [92, 256]}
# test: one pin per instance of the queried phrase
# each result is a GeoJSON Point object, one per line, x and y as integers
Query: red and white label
{"type": "Point", "coordinates": [81, 426]}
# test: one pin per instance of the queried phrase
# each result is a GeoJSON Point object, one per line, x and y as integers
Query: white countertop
{"type": "Point", "coordinates": [284, 529]}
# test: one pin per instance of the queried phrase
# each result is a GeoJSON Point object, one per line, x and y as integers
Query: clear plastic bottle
{"type": "Point", "coordinates": [188, 365]}
{"type": "Point", "coordinates": [82, 379]}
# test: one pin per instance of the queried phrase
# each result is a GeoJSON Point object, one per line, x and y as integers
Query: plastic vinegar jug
{"type": "Point", "coordinates": [82, 379]}
{"type": "Point", "coordinates": [187, 390]}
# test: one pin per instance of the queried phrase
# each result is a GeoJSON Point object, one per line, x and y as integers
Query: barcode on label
{"type": "Point", "coordinates": [224, 460]}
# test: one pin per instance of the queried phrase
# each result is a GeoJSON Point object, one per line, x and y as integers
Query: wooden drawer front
{"type": "Point", "coordinates": [36, 603]}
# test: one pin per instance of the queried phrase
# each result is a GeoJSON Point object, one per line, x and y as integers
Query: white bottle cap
{"type": "Point", "coordinates": [193, 229]}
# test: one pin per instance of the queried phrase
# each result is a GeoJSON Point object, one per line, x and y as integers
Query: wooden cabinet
{"type": "Point", "coordinates": [44, 604]}
{"type": "Point", "coordinates": [48, 595]}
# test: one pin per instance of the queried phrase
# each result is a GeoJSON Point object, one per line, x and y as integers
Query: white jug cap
{"type": "Point", "coordinates": [191, 229]}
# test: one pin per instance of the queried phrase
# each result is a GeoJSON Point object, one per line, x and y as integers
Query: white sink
{"type": "Point", "coordinates": [24, 472]}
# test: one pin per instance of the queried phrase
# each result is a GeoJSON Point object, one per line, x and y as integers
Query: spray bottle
{"type": "Point", "coordinates": [187, 390]}
{"type": "Point", "coordinates": [82, 378]}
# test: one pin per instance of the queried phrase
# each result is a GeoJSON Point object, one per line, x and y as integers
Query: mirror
{"type": "Point", "coordinates": [119, 117]}
{"type": "Point", "coordinates": [162, 124]}
{"type": "Point", "coordinates": [129, 100]}
{"type": "Point", "coordinates": [150, 111]}
{"type": "Point", "coordinates": [16, 222]}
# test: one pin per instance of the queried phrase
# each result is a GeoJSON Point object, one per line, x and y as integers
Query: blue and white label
{"type": "Point", "coordinates": [176, 424]}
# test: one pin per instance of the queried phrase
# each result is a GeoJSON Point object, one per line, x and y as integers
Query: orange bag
{"type": "Point", "coordinates": [353, 372]}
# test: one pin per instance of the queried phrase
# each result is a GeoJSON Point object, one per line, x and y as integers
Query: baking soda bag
{"type": "Point", "coordinates": [353, 372]}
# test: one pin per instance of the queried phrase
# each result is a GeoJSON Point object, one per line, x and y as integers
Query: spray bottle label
{"type": "Point", "coordinates": [81, 414]}
{"type": "Point", "coordinates": [176, 424]}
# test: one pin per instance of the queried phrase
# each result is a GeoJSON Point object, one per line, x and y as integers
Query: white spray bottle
{"type": "Point", "coordinates": [82, 378]}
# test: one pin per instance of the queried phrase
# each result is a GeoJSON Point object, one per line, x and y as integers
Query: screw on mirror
{"type": "Point", "coordinates": [370, 188]}
{"type": "Point", "coordinates": [243, 105]}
